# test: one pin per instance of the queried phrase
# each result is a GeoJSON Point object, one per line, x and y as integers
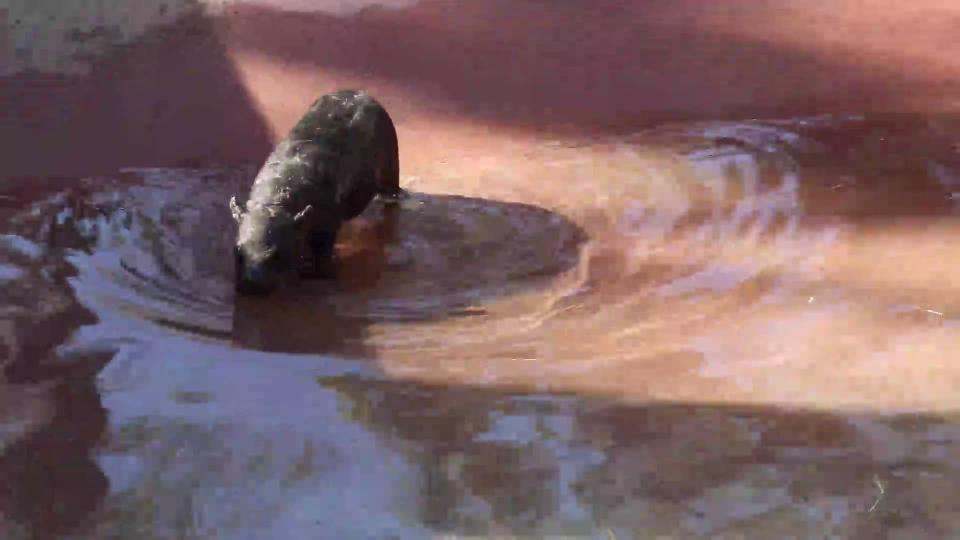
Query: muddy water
{"type": "Point", "coordinates": [723, 330]}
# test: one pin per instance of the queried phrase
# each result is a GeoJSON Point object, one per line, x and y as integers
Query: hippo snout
{"type": "Point", "coordinates": [252, 277]}
{"type": "Point", "coordinates": [255, 280]}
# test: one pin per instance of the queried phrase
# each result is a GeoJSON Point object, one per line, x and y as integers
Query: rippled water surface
{"type": "Point", "coordinates": [723, 330]}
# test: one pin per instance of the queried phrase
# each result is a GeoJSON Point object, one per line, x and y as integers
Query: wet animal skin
{"type": "Point", "coordinates": [340, 155]}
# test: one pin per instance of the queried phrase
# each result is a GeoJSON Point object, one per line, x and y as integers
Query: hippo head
{"type": "Point", "coordinates": [266, 252]}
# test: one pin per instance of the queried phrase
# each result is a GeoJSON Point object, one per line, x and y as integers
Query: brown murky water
{"type": "Point", "coordinates": [723, 329]}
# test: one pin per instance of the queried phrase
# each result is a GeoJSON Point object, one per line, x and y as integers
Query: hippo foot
{"type": "Point", "coordinates": [325, 270]}
{"type": "Point", "coordinates": [394, 198]}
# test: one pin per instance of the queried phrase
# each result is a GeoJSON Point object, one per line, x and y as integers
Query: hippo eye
{"type": "Point", "coordinates": [272, 256]}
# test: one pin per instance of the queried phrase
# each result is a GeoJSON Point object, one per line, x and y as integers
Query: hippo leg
{"type": "Point", "coordinates": [389, 182]}
{"type": "Point", "coordinates": [387, 228]}
{"type": "Point", "coordinates": [388, 175]}
{"type": "Point", "coordinates": [322, 243]}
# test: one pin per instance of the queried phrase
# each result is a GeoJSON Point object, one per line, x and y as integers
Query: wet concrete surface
{"type": "Point", "coordinates": [708, 303]}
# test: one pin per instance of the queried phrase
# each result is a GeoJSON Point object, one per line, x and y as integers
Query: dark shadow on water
{"type": "Point", "coordinates": [867, 169]}
{"type": "Point", "coordinates": [882, 167]}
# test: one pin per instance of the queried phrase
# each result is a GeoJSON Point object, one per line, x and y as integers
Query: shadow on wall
{"type": "Point", "coordinates": [172, 96]}
{"type": "Point", "coordinates": [100, 89]}
{"type": "Point", "coordinates": [585, 65]}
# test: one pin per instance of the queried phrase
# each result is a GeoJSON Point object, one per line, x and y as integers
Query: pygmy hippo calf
{"type": "Point", "coordinates": [336, 159]}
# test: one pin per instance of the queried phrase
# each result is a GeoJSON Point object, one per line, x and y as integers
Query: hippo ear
{"type": "Point", "coordinates": [299, 218]}
{"type": "Point", "coordinates": [235, 209]}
